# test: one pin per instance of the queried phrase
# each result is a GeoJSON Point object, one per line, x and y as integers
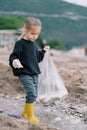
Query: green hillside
{"type": "Point", "coordinates": [60, 20]}
{"type": "Point", "coordinates": [40, 6]}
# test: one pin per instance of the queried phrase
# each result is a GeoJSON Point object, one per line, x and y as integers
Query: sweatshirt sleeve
{"type": "Point", "coordinates": [41, 55]}
{"type": "Point", "coordinates": [15, 54]}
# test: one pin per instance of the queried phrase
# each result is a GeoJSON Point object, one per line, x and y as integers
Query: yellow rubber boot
{"type": "Point", "coordinates": [24, 113]}
{"type": "Point", "coordinates": [29, 113]}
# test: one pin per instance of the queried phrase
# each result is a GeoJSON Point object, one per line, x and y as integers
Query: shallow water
{"type": "Point", "coordinates": [59, 113]}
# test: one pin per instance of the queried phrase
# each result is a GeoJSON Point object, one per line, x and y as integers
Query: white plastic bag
{"type": "Point", "coordinates": [50, 82]}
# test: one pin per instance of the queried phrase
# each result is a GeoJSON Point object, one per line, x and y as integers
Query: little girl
{"type": "Point", "coordinates": [24, 62]}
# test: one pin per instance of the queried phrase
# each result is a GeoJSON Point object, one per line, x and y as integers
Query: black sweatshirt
{"type": "Point", "coordinates": [29, 56]}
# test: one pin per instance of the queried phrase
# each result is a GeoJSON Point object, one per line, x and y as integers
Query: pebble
{"type": "Point", "coordinates": [58, 119]}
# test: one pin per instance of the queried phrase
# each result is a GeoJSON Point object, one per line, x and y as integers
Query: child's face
{"type": "Point", "coordinates": [33, 34]}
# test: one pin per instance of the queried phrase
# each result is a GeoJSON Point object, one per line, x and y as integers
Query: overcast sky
{"type": "Point", "coordinates": [79, 2]}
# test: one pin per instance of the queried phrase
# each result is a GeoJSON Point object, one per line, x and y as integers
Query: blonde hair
{"type": "Point", "coordinates": [30, 23]}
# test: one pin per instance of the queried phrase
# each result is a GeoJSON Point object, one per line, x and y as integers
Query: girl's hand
{"type": "Point", "coordinates": [17, 64]}
{"type": "Point", "coordinates": [46, 48]}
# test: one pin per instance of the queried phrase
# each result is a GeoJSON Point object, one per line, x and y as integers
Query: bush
{"type": "Point", "coordinates": [56, 44]}
{"type": "Point", "coordinates": [11, 22]}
